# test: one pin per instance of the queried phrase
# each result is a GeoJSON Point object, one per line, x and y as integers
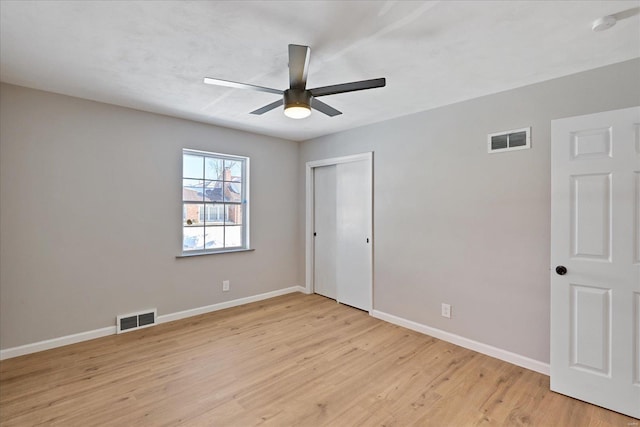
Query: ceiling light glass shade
{"type": "Point", "coordinates": [297, 111]}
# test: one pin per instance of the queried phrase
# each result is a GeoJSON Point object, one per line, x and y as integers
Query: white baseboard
{"type": "Point", "coordinates": [111, 330]}
{"type": "Point", "coordinates": [56, 342]}
{"type": "Point", "coordinates": [227, 304]}
{"type": "Point", "coordinates": [507, 356]}
{"type": "Point", "coordinates": [498, 353]}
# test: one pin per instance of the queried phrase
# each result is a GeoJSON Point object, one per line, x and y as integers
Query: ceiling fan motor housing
{"type": "Point", "coordinates": [297, 98]}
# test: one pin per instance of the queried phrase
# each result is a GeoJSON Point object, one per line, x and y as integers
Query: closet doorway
{"type": "Point", "coordinates": [339, 229]}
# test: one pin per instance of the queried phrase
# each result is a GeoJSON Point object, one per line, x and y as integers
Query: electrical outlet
{"type": "Point", "coordinates": [446, 310]}
{"type": "Point", "coordinates": [225, 285]}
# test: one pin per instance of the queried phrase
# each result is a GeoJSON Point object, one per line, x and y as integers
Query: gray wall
{"type": "Point", "coordinates": [457, 225]}
{"type": "Point", "coordinates": [90, 212]}
{"type": "Point", "coordinates": [90, 216]}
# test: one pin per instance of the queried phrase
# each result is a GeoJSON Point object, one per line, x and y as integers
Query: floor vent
{"type": "Point", "coordinates": [133, 321]}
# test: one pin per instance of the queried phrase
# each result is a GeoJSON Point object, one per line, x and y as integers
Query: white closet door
{"type": "Point", "coordinates": [324, 273]}
{"type": "Point", "coordinates": [353, 242]}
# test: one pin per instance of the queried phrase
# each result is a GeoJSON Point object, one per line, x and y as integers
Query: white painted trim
{"type": "Point", "coordinates": [111, 330]}
{"type": "Point", "coordinates": [56, 342]}
{"type": "Point", "coordinates": [498, 353]}
{"type": "Point", "coordinates": [227, 304]}
{"type": "Point", "coordinates": [247, 205]}
{"type": "Point", "coordinates": [337, 160]}
{"type": "Point", "coordinates": [507, 356]}
{"type": "Point", "coordinates": [309, 219]}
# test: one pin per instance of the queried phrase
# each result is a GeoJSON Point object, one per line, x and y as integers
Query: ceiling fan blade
{"type": "Point", "coordinates": [298, 66]}
{"type": "Point", "coordinates": [268, 107]}
{"type": "Point", "coordinates": [227, 83]}
{"type": "Point", "coordinates": [348, 87]}
{"type": "Point", "coordinates": [324, 108]}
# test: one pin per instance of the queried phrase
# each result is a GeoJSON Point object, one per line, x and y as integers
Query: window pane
{"type": "Point", "coordinates": [192, 166]}
{"type": "Point", "coordinates": [498, 142]}
{"type": "Point", "coordinates": [234, 214]}
{"type": "Point", "coordinates": [232, 236]}
{"type": "Point", "coordinates": [235, 170]}
{"type": "Point", "coordinates": [192, 214]}
{"type": "Point", "coordinates": [213, 191]}
{"type": "Point", "coordinates": [213, 168]}
{"type": "Point", "coordinates": [193, 238]}
{"type": "Point", "coordinates": [214, 238]}
{"type": "Point", "coordinates": [192, 190]}
{"type": "Point", "coordinates": [232, 192]}
{"type": "Point", "coordinates": [518, 139]}
{"type": "Point", "coordinates": [214, 214]}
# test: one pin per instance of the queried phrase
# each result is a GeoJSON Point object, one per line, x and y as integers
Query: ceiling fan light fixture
{"type": "Point", "coordinates": [297, 111]}
{"type": "Point", "coordinates": [297, 103]}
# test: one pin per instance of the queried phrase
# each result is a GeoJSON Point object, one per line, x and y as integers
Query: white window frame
{"type": "Point", "coordinates": [244, 204]}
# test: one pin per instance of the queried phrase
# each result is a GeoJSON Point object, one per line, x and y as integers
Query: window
{"type": "Point", "coordinates": [215, 202]}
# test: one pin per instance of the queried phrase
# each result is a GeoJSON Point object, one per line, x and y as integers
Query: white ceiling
{"type": "Point", "coordinates": [153, 55]}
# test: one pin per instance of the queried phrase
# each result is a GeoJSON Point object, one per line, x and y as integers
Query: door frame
{"type": "Point", "coordinates": [310, 210]}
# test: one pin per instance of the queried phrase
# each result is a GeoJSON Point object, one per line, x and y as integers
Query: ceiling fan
{"type": "Point", "coordinates": [298, 100]}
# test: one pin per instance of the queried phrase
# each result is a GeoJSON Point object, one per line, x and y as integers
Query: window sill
{"type": "Point", "coordinates": [188, 255]}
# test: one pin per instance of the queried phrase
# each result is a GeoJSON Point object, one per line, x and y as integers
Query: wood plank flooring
{"type": "Point", "coordinates": [295, 360]}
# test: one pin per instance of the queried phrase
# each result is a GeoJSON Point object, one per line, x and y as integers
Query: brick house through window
{"type": "Point", "coordinates": [213, 201]}
{"type": "Point", "coordinates": [222, 192]}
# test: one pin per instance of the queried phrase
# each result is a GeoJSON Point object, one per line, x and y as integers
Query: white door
{"type": "Point", "coordinates": [340, 199]}
{"type": "Point", "coordinates": [595, 256]}
{"type": "Point", "coordinates": [353, 266]}
{"type": "Point", "coordinates": [324, 272]}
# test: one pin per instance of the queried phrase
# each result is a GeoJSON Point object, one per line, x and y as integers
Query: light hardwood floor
{"type": "Point", "coordinates": [295, 360]}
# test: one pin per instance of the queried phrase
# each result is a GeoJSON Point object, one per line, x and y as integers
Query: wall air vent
{"type": "Point", "coordinates": [133, 321]}
{"type": "Point", "coordinates": [510, 140]}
